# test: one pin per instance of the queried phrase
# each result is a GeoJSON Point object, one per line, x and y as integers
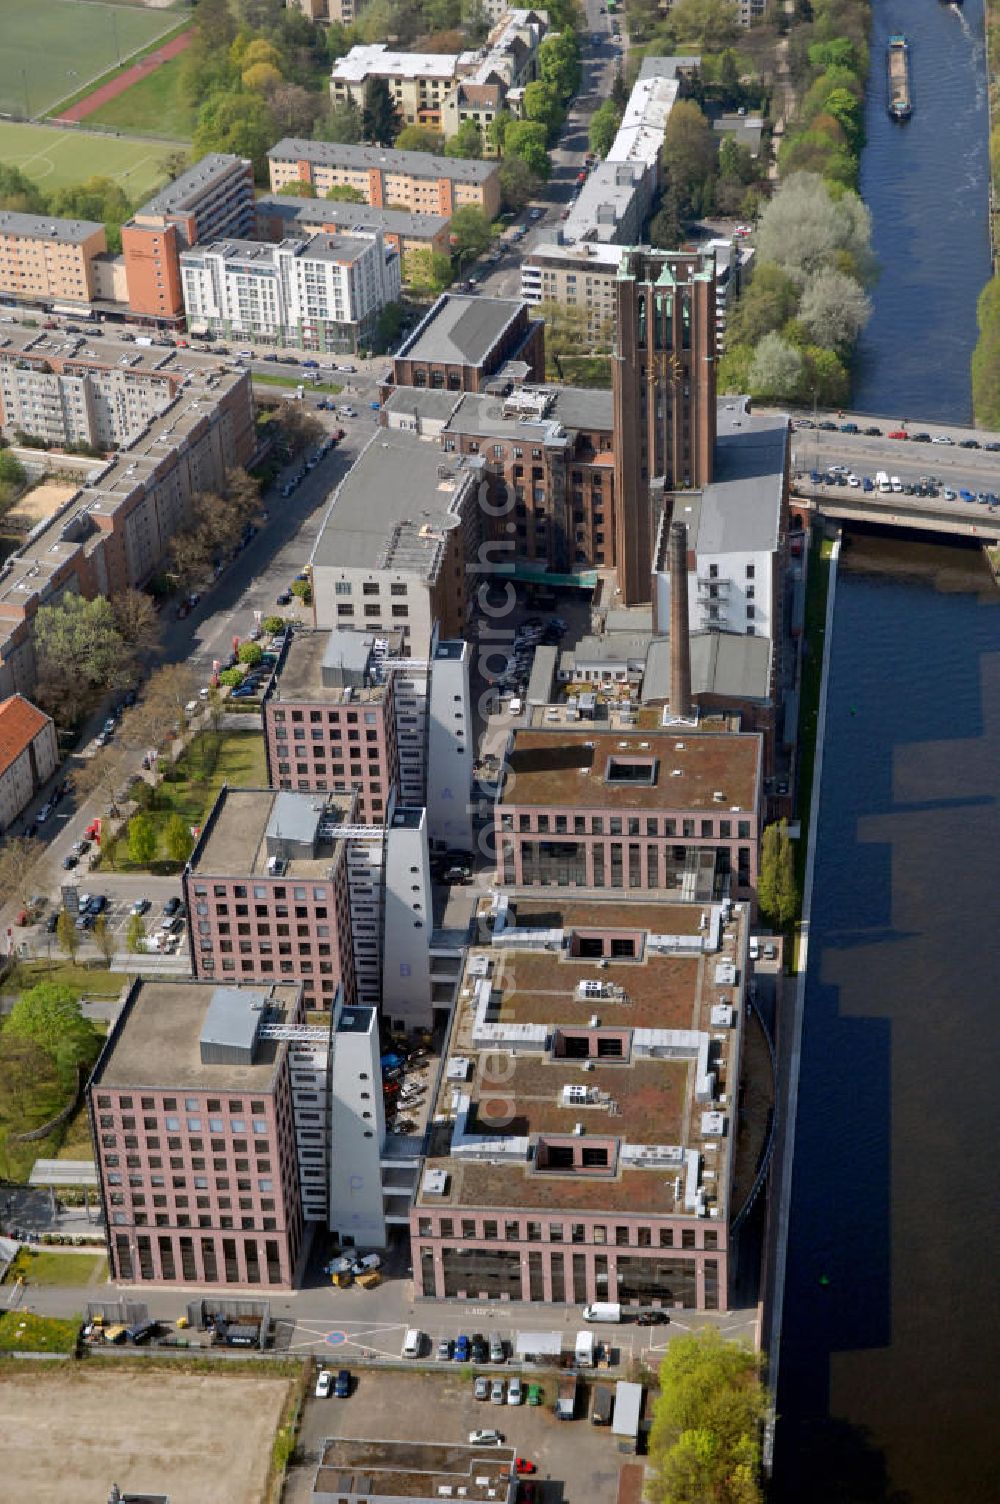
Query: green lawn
{"type": "Point", "coordinates": [44, 1268]}
{"type": "Point", "coordinates": [58, 157]}
{"type": "Point", "coordinates": [327, 388]}
{"type": "Point", "coordinates": [233, 757]}
{"type": "Point", "coordinates": [89, 981]}
{"type": "Point", "coordinates": [155, 105]}
{"type": "Point", "coordinates": [21, 1331]}
{"type": "Point", "coordinates": [51, 48]}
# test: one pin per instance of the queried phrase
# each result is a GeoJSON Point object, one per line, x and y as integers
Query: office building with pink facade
{"type": "Point", "coordinates": [330, 717]}
{"type": "Point", "coordinates": [192, 1119]}
{"type": "Point", "coordinates": [671, 811]}
{"type": "Point", "coordinates": [266, 889]}
{"type": "Point", "coordinates": [584, 1132]}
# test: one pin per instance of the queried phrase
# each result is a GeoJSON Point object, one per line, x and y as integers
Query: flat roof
{"type": "Point", "coordinates": [421, 164]}
{"type": "Point", "coordinates": [423, 402]}
{"type": "Point", "coordinates": [728, 664]}
{"type": "Point", "coordinates": [47, 227]}
{"type": "Point", "coordinates": [157, 1040]}
{"type": "Point", "coordinates": [234, 842]}
{"type": "Point", "coordinates": [185, 191]}
{"type": "Point", "coordinates": [461, 330]}
{"type": "Point", "coordinates": [486, 417]}
{"type": "Point", "coordinates": [566, 769]}
{"type": "Point", "coordinates": [299, 675]}
{"type": "Point", "coordinates": [520, 995]}
{"type": "Point", "coordinates": [378, 58]}
{"type": "Point", "coordinates": [381, 1469]}
{"type": "Point", "coordinates": [741, 511]}
{"type": "Point", "coordinates": [395, 506]}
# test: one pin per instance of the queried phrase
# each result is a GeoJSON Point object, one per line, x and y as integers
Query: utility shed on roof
{"type": "Point", "coordinates": [229, 1032]}
{"type": "Point", "coordinates": [628, 1413]}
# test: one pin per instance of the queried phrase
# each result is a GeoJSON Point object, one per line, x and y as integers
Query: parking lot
{"type": "Point", "coordinates": [575, 1459]}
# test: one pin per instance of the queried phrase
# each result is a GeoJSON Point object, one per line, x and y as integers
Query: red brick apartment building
{"type": "Point", "coordinates": [191, 1114]}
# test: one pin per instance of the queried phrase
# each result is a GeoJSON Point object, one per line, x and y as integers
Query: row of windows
{"type": "Point", "coordinates": [510, 1231]}
{"type": "Point", "coordinates": [632, 825]}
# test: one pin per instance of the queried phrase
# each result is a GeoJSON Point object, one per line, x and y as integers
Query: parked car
{"type": "Point", "coordinates": [480, 1348]}
{"type": "Point", "coordinates": [324, 1384]}
{"type": "Point", "coordinates": [444, 1351]}
{"type": "Point", "coordinates": [515, 1392]}
{"type": "Point", "coordinates": [485, 1439]}
{"type": "Point", "coordinates": [461, 1350]}
{"type": "Point", "coordinates": [173, 906]}
{"type": "Point", "coordinates": [342, 1384]}
{"type": "Point", "coordinates": [141, 906]}
{"type": "Point", "coordinates": [69, 862]}
{"type": "Point", "coordinates": [52, 922]}
{"type": "Point", "coordinates": [481, 1388]}
{"type": "Point", "coordinates": [498, 1392]}
{"type": "Point", "coordinates": [522, 1466]}
{"type": "Point", "coordinates": [284, 598]}
{"type": "Point", "coordinates": [536, 1394]}
{"type": "Point", "coordinates": [652, 1317]}
{"type": "Point", "coordinates": [497, 1351]}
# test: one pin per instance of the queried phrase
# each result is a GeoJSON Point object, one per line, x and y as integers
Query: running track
{"type": "Point", "coordinates": [127, 78]}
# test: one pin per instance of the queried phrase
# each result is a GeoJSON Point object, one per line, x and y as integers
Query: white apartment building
{"type": "Point", "coordinates": [324, 293]}
{"type": "Point", "coordinates": [28, 755]}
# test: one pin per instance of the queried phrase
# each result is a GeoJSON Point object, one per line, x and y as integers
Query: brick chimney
{"type": "Point", "coordinates": [680, 636]}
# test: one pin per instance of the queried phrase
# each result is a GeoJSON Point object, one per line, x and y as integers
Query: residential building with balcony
{"type": "Point", "coordinates": [280, 217]}
{"type": "Point", "coordinates": [191, 1113]}
{"type": "Point", "coordinates": [324, 293]}
{"type": "Point", "coordinates": [673, 811]}
{"type": "Point", "coordinates": [45, 261]}
{"type": "Point", "coordinates": [578, 275]}
{"type": "Point", "coordinates": [418, 182]}
{"type": "Point", "coordinates": [586, 1121]}
{"type": "Point", "coordinates": [213, 200]}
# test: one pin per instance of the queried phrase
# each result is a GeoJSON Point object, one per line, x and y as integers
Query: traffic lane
{"type": "Point", "coordinates": [866, 456]}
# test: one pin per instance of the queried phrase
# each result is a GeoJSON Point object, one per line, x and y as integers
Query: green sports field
{"type": "Point", "coordinates": [58, 156]}
{"type": "Point", "coordinates": [50, 48]}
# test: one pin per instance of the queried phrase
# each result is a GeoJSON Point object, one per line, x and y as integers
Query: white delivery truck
{"type": "Point", "coordinates": [584, 1349]}
{"type": "Point", "coordinates": [882, 480]}
{"type": "Point", "coordinates": [603, 1310]}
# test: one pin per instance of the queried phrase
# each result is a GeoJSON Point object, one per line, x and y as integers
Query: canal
{"type": "Point", "coordinates": [887, 1379]}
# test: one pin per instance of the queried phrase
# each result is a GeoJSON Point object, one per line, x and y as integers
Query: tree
{"type": "Point", "coordinates": [803, 228]}
{"type": "Point", "coordinates": [666, 228]}
{"type": "Point", "coordinates": [19, 192]}
{"type": "Point", "coordinates": [341, 123]}
{"type": "Point", "coordinates": [136, 620]}
{"type": "Point", "coordinates": [142, 841]}
{"type": "Point", "coordinates": [710, 24]}
{"type": "Point", "coordinates": [80, 654]}
{"type": "Point", "coordinates": [167, 691]}
{"type": "Point", "coordinates": [834, 308]}
{"type": "Point", "coordinates": [543, 105]}
{"type": "Point", "coordinates": [303, 590]}
{"type": "Point", "coordinates": [466, 142]}
{"type": "Point", "coordinates": [236, 122]}
{"type": "Point", "coordinates": [99, 198]}
{"type": "Point", "coordinates": [776, 369]}
{"type": "Point", "coordinates": [299, 429]}
{"type": "Point", "coordinates": [251, 653]}
{"type": "Point", "coordinates": [135, 933]}
{"type": "Point", "coordinates": [49, 1015]}
{"type": "Point", "coordinates": [419, 138]}
{"type": "Point", "coordinates": [471, 232]}
{"type": "Point", "coordinates": [496, 131]}
{"type": "Point", "coordinates": [777, 889]}
{"type": "Point", "coordinates": [559, 63]}
{"type": "Point", "coordinates": [11, 469]}
{"type": "Point", "coordinates": [294, 108]}
{"type": "Point", "coordinates": [389, 326]}
{"type": "Point", "coordinates": [346, 193]}
{"type": "Point", "coordinates": [427, 271]}
{"type": "Point", "coordinates": [986, 358]}
{"type": "Point", "coordinates": [527, 139]}
{"type": "Point", "coordinates": [67, 934]}
{"type": "Point", "coordinates": [787, 886]}
{"type": "Point", "coordinates": [230, 677]}
{"type": "Point", "coordinates": [275, 624]}
{"type": "Point", "coordinates": [17, 866]}
{"type": "Point", "coordinates": [604, 126]}
{"type": "Point", "coordinates": [297, 189]}
{"type": "Point", "coordinates": [704, 1440]}
{"type": "Point", "coordinates": [770, 300]}
{"type": "Point", "coordinates": [688, 157]}
{"type": "Point", "coordinates": [178, 838]}
{"type": "Point", "coordinates": [261, 78]}
{"type": "Point", "coordinates": [379, 116]}
{"type": "Point", "coordinates": [518, 183]}
{"type": "Point", "coordinates": [825, 376]}
{"type": "Point", "coordinates": [104, 939]}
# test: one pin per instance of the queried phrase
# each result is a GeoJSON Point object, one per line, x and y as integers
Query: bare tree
{"type": "Point", "coordinates": [68, 935]}
{"type": "Point", "coordinates": [103, 776]}
{"type": "Point", "coordinates": [167, 692]}
{"type": "Point", "coordinates": [104, 939]}
{"type": "Point", "coordinates": [299, 427]}
{"type": "Point", "coordinates": [17, 864]}
{"type": "Point", "coordinates": [136, 619]}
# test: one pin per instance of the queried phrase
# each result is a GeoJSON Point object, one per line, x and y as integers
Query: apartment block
{"type": "Point", "coordinates": [29, 755]}
{"type": "Point", "coordinates": [463, 342]}
{"type": "Point", "coordinates": [344, 11]}
{"type": "Point", "coordinates": [666, 810]}
{"type": "Point", "coordinates": [393, 550]}
{"type": "Point", "coordinates": [588, 1139]}
{"type": "Point", "coordinates": [213, 200]}
{"type": "Point", "coordinates": [68, 389]}
{"type": "Point", "coordinates": [418, 182]}
{"type": "Point", "coordinates": [191, 1113]}
{"type": "Point", "coordinates": [330, 718]}
{"type": "Point", "coordinates": [581, 276]}
{"type": "Point", "coordinates": [45, 261]}
{"type": "Point", "coordinates": [113, 532]}
{"type": "Point", "coordinates": [279, 217]}
{"type": "Point", "coordinates": [324, 293]}
{"type": "Point", "coordinates": [267, 893]}
{"type": "Point", "coordinates": [442, 90]}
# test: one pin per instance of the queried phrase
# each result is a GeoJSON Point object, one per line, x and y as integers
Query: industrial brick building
{"type": "Point", "coordinates": [585, 1125]}
{"type": "Point", "coordinates": [463, 342]}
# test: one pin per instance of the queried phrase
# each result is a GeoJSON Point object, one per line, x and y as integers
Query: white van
{"type": "Point", "coordinates": [882, 480]}
{"type": "Point", "coordinates": [603, 1310]}
{"type": "Point", "coordinates": [896, 483]}
{"type": "Point", "coordinates": [413, 1343]}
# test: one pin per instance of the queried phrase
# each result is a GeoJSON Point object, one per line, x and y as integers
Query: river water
{"type": "Point", "coordinates": [925, 182]}
{"type": "Point", "coordinates": [889, 1355]}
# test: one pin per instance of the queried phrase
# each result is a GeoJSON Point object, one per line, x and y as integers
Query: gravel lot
{"type": "Point", "coordinates": [70, 1431]}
